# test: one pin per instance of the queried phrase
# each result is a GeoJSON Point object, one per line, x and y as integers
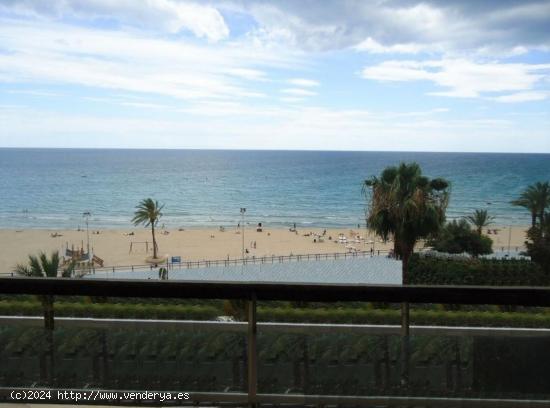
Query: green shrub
{"type": "Point", "coordinates": [339, 315]}
{"type": "Point", "coordinates": [457, 237]}
{"type": "Point", "coordinates": [437, 271]}
{"type": "Point", "coordinates": [418, 317]}
{"type": "Point", "coordinates": [538, 246]}
{"type": "Point", "coordinates": [111, 310]}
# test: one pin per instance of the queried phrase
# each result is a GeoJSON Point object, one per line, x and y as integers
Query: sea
{"type": "Point", "coordinates": [53, 188]}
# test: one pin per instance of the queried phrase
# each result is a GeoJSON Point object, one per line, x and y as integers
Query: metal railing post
{"type": "Point", "coordinates": [252, 352]}
{"type": "Point", "coordinates": [405, 342]}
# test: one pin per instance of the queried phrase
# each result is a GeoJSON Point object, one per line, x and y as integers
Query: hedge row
{"type": "Point", "coordinates": [287, 314]}
{"type": "Point", "coordinates": [122, 300]}
{"type": "Point", "coordinates": [113, 310]}
{"type": "Point", "coordinates": [418, 317]}
{"type": "Point", "coordinates": [435, 271]}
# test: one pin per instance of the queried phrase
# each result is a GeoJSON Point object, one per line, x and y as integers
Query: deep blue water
{"type": "Point", "coordinates": [51, 188]}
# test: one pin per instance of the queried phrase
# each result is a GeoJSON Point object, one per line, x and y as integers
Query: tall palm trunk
{"type": "Point", "coordinates": [396, 252]}
{"type": "Point", "coordinates": [533, 219]}
{"type": "Point", "coordinates": [405, 257]}
{"type": "Point", "coordinates": [47, 306]}
{"type": "Point", "coordinates": [406, 251]}
{"type": "Point", "coordinates": [154, 240]}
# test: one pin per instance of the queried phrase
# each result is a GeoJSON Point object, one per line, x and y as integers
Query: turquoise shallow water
{"type": "Point", "coordinates": [51, 188]}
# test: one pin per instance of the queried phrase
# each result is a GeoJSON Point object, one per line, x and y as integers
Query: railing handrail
{"type": "Point", "coordinates": [248, 260]}
{"type": "Point", "coordinates": [254, 291]}
{"type": "Point", "coordinates": [267, 259]}
{"type": "Point", "coordinates": [321, 292]}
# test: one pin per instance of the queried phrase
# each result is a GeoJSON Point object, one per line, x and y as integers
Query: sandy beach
{"type": "Point", "coordinates": [113, 246]}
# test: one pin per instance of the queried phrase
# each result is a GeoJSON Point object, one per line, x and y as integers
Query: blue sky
{"type": "Point", "coordinates": [321, 75]}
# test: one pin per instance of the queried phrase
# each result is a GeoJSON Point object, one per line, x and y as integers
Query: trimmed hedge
{"type": "Point", "coordinates": [289, 314]}
{"type": "Point", "coordinates": [418, 317]}
{"type": "Point", "coordinates": [113, 310]}
{"type": "Point", "coordinates": [436, 271]}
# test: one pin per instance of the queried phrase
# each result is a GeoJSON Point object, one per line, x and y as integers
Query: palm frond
{"type": "Point", "coordinates": [40, 266]}
{"type": "Point", "coordinates": [67, 272]}
{"type": "Point", "coordinates": [49, 266]}
{"type": "Point", "coordinates": [22, 270]}
{"type": "Point", "coordinates": [406, 204]}
{"type": "Point", "coordinates": [147, 212]}
{"type": "Point", "coordinates": [35, 266]}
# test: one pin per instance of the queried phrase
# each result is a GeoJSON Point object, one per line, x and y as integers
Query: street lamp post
{"type": "Point", "coordinates": [87, 215]}
{"type": "Point", "coordinates": [243, 210]}
{"type": "Point", "coordinates": [509, 238]}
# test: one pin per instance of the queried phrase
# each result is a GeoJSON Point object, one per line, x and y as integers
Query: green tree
{"type": "Point", "coordinates": [536, 198]}
{"type": "Point", "coordinates": [406, 205]}
{"type": "Point", "coordinates": [409, 206]}
{"type": "Point", "coordinates": [457, 237]}
{"type": "Point", "coordinates": [148, 213]}
{"type": "Point", "coordinates": [42, 267]}
{"type": "Point", "coordinates": [480, 219]}
{"type": "Point", "coordinates": [538, 244]}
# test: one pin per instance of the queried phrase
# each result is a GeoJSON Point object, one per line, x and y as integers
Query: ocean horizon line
{"type": "Point", "coordinates": [94, 148]}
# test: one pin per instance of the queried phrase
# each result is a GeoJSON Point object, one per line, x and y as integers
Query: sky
{"type": "Point", "coordinates": [375, 75]}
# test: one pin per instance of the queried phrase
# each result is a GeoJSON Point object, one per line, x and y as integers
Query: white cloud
{"type": "Point", "coordinates": [231, 109]}
{"type": "Point", "coordinates": [247, 73]}
{"type": "Point", "coordinates": [292, 99]}
{"type": "Point", "coordinates": [380, 26]}
{"type": "Point", "coordinates": [298, 92]}
{"type": "Point", "coordinates": [452, 26]}
{"type": "Point", "coordinates": [52, 53]}
{"type": "Point", "coordinates": [178, 91]}
{"type": "Point", "coordinates": [523, 97]}
{"type": "Point", "coordinates": [146, 105]}
{"type": "Point", "coordinates": [462, 78]}
{"type": "Point", "coordinates": [303, 82]}
{"type": "Point", "coordinates": [232, 125]}
{"type": "Point", "coordinates": [34, 92]}
{"type": "Point", "coordinates": [167, 15]}
{"type": "Point", "coordinates": [373, 46]}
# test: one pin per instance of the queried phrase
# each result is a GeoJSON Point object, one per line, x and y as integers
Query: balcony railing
{"type": "Point", "coordinates": [262, 363]}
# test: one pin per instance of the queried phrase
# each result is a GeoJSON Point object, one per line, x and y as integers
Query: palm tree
{"type": "Point", "coordinates": [480, 219]}
{"type": "Point", "coordinates": [148, 212]}
{"type": "Point", "coordinates": [536, 198]}
{"type": "Point", "coordinates": [407, 205]}
{"type": "Point", "coordinates": [42, 267]}
{"type": "Point", "coordinates": [538, 244]}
